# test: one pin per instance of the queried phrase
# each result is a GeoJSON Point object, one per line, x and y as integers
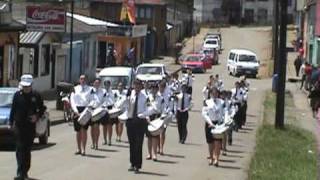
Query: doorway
{"type": "Point", "coordinates": [1, 65]}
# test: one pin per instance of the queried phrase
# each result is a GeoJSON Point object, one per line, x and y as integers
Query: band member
{"type": "Point", "coordinates": [218, 83]}
{"type": "Point", "coordinates": [188, 79]}
{"type": "Point", "coordinates": [120, 94]}
{"type": "Point", "coordinates": [98, 97]}
{"type": "Point", "coordinates": [245, 90]}
{"type": "Point", "coordinates": [174, 83]}
{"type": "Point", "coordinates": [27, 107]}
{"type": "Point", "coordinates": [237, 97]}
{"type": "Point", "coordinates": [79, 101]}
{"type": "Point", "coordinates": [165, 107]}
{"type": "Point", "coordinates": [146, 88]}
{"type": "Point", "coordinates": [156, 101]}
{"type": "Point", "coordinates": [138, 117]}
{"type": "Point", "coordinates": [213, 114]}
{"type": "Point", "coordinates": [206, 92]}
{"type": "Point", "coordinates": [183, 106]}
{"type": "Point", "coordinates": [107, 122]}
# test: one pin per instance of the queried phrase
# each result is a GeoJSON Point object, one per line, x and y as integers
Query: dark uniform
{"type": "Point", "coordinates": [23, 107]}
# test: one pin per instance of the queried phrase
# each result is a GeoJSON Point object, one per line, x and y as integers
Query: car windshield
{"type": "Point", "coordinates": [149, 70]}
{"type": "Point", "coordinates": [115, 80]}
{"type": "Point", "coordinates": [247, 58]}
{"type": "Point", "coordinates": [6, 98]}
{"type": "Point", "coordinates": [194, 58]}
{"type": "Point", "coordinates": [211, 42]}
{"type": "Point", "coordinates": [208, 51]}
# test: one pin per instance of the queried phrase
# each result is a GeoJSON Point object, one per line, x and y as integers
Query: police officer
{"type": "Point", "coordinates": [183, 106]}
{"type": "Point", "coordinates": [27, 107]}
{"type": "Point", "coordinates": [138, 117]}
{"type": "Point", "coordinates": [80, 99]}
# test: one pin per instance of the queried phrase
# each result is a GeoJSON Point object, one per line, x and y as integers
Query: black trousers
{"type": "Point", "coordinates": [237, 117]}
{"type": "Point", "coordinates": [24, 141]}
{"type": "Point", "coordinates": [182, 120]}
{"type": "Point", "coordinates": [136, 129]}
{"type": "Point", "coordinates": [244, 113]}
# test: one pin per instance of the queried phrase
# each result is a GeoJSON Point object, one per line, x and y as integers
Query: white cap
{"type": "Point", "coordinates": [26, 80]}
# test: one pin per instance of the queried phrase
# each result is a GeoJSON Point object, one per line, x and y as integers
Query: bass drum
{"type": "Point", "coordinates": [156, 127]}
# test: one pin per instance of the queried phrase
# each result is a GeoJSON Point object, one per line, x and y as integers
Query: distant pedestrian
{"type": "Point", "coordinates": [303, 74]}
{"type": "Point", "coordinates": [297, 64]}
{"type": "Point", "coordinates": [27, 108]}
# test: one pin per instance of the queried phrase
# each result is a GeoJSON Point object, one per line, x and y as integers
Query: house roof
{"type": "Point", "coordinates": [13, 26]}
{"type": "Point", "coordinates": [31, 37]}
{"type": "Point", "coordinates": [140, 2]}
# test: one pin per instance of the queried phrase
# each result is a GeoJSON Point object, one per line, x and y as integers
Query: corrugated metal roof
{"type": "Point", "coordinates": [31, 37]}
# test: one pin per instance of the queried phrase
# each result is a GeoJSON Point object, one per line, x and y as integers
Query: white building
{"type": "Point", "coordinates": [208, 11]}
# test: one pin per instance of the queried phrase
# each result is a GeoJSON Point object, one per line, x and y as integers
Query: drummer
{"type": "Point", "coordinates": [213, 115]}
{"type": "Point", "coordinates": [165, 107]}
{"type": "Point", "coordinates": [237, 98]}
{"type": "Point", "coordinates": [138, 117]}
{"type": "Point", "coordinates": [98, 95]}
{"type": "Point", "coordinates": [183, 106]}
{"type": "Point", "coordinates": [107, 122]}
{"type": "Point", "coordinates": [119, 94]}
{"type": "Point", "coordinates": [206, 91]}
{"type": "Point", "coordinates": [79, 100]}
{"type": "Point", "coordinates": [155, 101]}
{"type": "Point", "coordinates": [218, 83]}
{"type": "Point", "coordinates": [245, 90]}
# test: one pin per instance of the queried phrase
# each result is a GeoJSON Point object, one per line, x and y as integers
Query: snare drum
{"type": "Point", "coordinates": [156, 127]}
{"type": "Point", "coordinates": [98, 113]}
{"type": "Point", "coordinates": [218, 131]}
{"type": "Point", "coordinates": [85, 116]}
{"type": "Point", "coordinates": [114, 112]}
{"type": "Point", "coordinates": [123, 117]}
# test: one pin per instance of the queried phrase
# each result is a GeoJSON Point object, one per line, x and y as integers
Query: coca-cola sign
{"type": "Point", "coordinates": [45, 19]}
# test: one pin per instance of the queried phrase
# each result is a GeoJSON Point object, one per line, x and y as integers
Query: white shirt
{"type": "Point", "coordinates": [237, 94]}
{"type": "Point", "coordinates": [214, 111]}
{"type": "Point", "coordinates": [80, 97]}
{"type": "Point", "coordinates": [302, 68]}
{"type": "Point", "coordinates": [188, 79]}
{"type": "Point", "coordinates": [187, 102]}
{"type": "Point", "coordinates": [97, 96]}
{"type": "Point", "coordinates": [109, 98]}
{"type": "Point", "coordinates": [120, 99]}
{"type": "Point", "coordinates": [205, 92]}
{"type": "Point", "coordinates": [219, 84]}
{"type": "Point", "coordinates": [142, 111]}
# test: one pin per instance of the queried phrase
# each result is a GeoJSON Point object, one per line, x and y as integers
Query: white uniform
{"type": "Point", "coordinates": [109, 98]}
{"type": "Point", "coordinates": [214, 111]}
{"type": "Point", "coordinates": [97, 97]}
{"type": "Point", "coordinates": [206, 93]}
{"type": "Point", "coordinates": [142, 107]}
{"type": "Point", "coordinates": [119, 99]}
{"type": "Point", "coordinates": [187, 102]}
{"type": "Point", "coordinates": [80, 97]}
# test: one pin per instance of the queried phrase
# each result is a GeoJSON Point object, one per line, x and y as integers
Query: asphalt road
{"type": "Point", "coordinates": [188, 161]}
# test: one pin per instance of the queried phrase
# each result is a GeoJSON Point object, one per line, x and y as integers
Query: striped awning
{"type": "Point", "coordinates": [31, 37]}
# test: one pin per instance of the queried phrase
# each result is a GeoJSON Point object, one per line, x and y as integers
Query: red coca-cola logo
{"type": "Point", "coordinates": [45, 15]}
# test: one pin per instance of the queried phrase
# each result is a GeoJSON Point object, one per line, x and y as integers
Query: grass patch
{"type": "Point", "coordinates": [288, 154]}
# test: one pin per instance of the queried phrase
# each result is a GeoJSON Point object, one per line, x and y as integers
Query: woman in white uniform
{"type": "Point", "coordinates": [120, 95]}
{"type": "Point", "coordinates": [213, 114]}
{"type": "Point", "coordinates": [107, 122]}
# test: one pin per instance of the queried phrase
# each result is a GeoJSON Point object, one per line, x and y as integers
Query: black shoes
{"type": "Point", "coordinates": [131, 168]}
{"type": "Point", "coordinates": [136, 170]}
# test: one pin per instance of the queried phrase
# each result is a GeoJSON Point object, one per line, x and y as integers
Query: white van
{"type": "Point", "coordinates": [242, 62]}
{"type": "Point", "coordinates": [118, 74]}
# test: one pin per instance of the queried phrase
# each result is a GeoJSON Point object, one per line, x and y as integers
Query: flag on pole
{"type": "Point", "coordinates": [128, 10]}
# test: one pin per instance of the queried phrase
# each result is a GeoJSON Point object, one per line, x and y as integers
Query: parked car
{"type": "Point", "coordinates": [242, 62]}
{"type": "Point", "coordinates": [7, 134]}
{"type": "Point", "coordinates": [211, 43]}
{"type": "Point", "coordinates": [116, 75]}
{"type": "Point", "coordinates": [152, 73]}
{"type": "Point", "coordinates": [217, 35]}
{"type": "Point", "coordinates": [212, 55]}
{"type": "Point", "coordinates": [196, 62]}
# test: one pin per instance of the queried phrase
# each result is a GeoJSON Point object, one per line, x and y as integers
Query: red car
{"type": "Point", "coordinates": [212, 54]}
{"type": "Point", "coordinates": [195, 62]}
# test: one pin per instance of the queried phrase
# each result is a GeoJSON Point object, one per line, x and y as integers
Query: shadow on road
{"type": "Point", "coordinates": [174, 155]}
{"type": "Point", "coordinates": [166, 161]}
{"type": "Point", "coordinates": [229, 167]}
{"type": "Point", "coordinates": [120, 145]}
{"type": "Point", "coordinates": [247, 129]}
{"type": "Point", "coordinates": [193, 144]}
{"type": "Point", "coordinates": [235, 151]}
{"type": "Point", "coordinates": [227, 161]}
{"type": "Point", "coordinates": [235, 156]}
{"type": "Point", "coordinates": [153, 173]}
{"type": "Point", "coordinates": [107, 150]}
{"type": "Point", "coordinates": [37, 147]}
{"type": "Point", "coordinates": [95, 156]}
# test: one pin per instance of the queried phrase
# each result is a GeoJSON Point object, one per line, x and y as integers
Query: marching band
{"type": "Point", "coordinates": [149, 108]}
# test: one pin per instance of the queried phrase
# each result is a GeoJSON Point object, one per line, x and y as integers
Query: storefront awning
{"type": "Point", "coordinates": [31, 37]}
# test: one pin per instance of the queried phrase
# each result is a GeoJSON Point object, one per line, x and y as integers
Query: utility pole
{"type": "Point", "coordinates": [275, 52]}
{"type": "Point", "coordinates": [71, 41]}
{"type": "Point", "coordinates": [279, 119]}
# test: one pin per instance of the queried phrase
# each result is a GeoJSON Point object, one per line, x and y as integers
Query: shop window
{"type": "Point", "coordinates": [45, 60]}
